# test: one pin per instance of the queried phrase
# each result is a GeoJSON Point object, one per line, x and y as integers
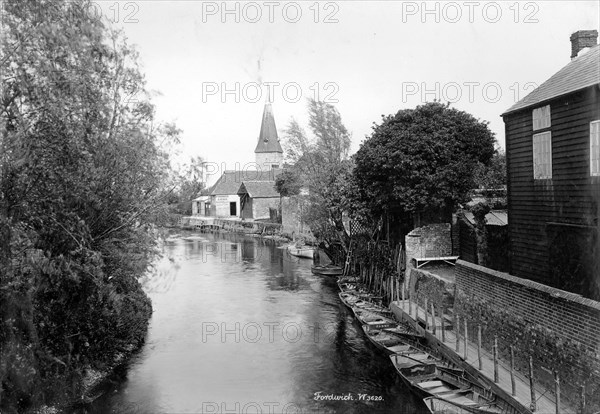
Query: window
{"type": "Point", "coordinates": [542, 156]}
{"type": "Point", "coordinates": [595, 148]}
{"type": "Point", "coordinates": [541, 118]}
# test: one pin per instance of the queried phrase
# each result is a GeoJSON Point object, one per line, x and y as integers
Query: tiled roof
{"type": "Point", "coordinates": [268, 140]}
{"type": "Point", "coordinates": [580, 73]}
{"type": "Point", "coordinates": [258, 189]}
{"type": "Point", "coordinates": [493, 218]}
{"type": "Point", "coordinates": [229, 183]}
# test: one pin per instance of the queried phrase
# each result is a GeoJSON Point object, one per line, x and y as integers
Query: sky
{"type": "Point", "coordinates": [215, 62]}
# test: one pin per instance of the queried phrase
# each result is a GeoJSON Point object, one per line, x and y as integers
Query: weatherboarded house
{"type": "Point", "coordinates": [258, 199]}
{"type": "Point", "coordinates": [224, 198]}
{"type": "Point", "coordinates": [553, 161]}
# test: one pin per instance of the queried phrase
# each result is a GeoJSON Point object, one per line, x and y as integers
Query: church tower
{"type": "Point", "coordinates": [268, 152]}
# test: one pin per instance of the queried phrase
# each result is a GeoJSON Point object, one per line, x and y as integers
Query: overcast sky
{"type": "Point", "coordinates": [368, 58]}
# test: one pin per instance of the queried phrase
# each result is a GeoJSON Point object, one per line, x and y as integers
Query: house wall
{"type": "Point", "coordinates": [571, 197]}
{"type": "Point", "coordinates": [220, 205]}
{"type": "Point", "coordinates": [260, 207]}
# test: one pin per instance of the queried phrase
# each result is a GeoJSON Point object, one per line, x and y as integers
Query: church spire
{"type": "Point", "coordinates": [268, 140]}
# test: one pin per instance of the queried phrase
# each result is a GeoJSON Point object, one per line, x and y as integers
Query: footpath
{"type": "Point", "coordinates": [545, 402]}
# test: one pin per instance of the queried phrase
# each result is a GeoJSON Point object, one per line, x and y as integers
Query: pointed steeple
{"type": "Point", "coordinates": [268, 140]}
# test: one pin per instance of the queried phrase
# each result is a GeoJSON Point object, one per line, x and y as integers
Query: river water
{"type": "Point", "coordinates": [240, 326]}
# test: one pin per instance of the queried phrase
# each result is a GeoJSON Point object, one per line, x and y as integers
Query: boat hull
{"type": "Point", "coordinates": [304, 252]}
{"type": "Point", "coordinates": [327, 270]}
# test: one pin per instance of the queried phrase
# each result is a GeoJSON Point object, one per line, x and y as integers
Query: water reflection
{"type": "Point", "coordinates": [239, 325]}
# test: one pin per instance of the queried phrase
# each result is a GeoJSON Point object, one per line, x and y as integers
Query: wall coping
{"type": "Point", "coordinates": [432, 275]}
{"type": "Point", "coordinates": [550, 291]}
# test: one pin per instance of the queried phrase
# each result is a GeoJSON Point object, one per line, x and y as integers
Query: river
{"type": "Point", "coordinates": [241, 326]}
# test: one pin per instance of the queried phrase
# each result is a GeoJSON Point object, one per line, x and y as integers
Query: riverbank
{"type": "Point", "coordinates": [253, 228]}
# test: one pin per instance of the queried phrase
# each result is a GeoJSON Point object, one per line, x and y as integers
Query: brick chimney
{"type": "Point", "coordinates": [582, 39]}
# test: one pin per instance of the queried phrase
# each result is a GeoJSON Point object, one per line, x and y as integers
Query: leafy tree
{"type": "Point", "coordinates": [421, 160]}
{"type": "Point", "coordinates": [188, 183]}
{"type": "Point", "coordinates": [492, 175]}
{"type": "Point", "coordinates": [84, 173]}
{"type": "Point", "coordinates": [321, 165]}
{"type": "Point", "coordinates": [287, 183]}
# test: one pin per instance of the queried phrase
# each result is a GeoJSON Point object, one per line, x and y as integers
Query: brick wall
{"type": "Point", "coordinates": [565, 313]}
{"type": "Point", "coordinates": [559, 329]}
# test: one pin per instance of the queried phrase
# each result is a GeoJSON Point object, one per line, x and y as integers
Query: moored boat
{"type": "Point", "coordinates": [439, 405]}
{"type": "Point", "coordinates": [327, 270]}
{"type": "Point", "coordinates": [439, 380]}
{"type": "Point", "coordinates": [387, 342]}
{"type": "Point", "coordinates": [348, 279]}
{"type": "Point", "coordinates": [374, 320]}
{"type": "Point", "coordinates": [301, 251]}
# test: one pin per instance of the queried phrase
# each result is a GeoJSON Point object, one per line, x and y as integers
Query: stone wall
{"type": "Point", "coordinates": [433, 240]}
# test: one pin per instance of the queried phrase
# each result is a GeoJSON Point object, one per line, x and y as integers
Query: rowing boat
{"type": "Point", "coordinates": [385, 341]}
{"type": "Point", "coordinates": [438, 405]}
{"type": "Point", "coordinates": [327, 270]}
{"type": "Point", "coordinates": [437, 379]}
{"type": "Point", "coordinates": [302, 251]}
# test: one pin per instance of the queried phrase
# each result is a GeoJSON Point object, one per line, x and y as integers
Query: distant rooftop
{"type": "Point", "coordinates": [493, 218]}
{"type": "Point", "coordinates": [259, 189]}
{"type": "Point", "coordinates": [229, 183]}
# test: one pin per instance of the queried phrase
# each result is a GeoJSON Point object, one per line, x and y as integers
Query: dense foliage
{"type": "Point", "coordinates": [421, 160]}
{"type": "Point", "coordinates": [83, 175]}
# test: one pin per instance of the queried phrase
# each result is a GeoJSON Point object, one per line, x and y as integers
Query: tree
{"type": "Point", "coordinates": [287, 183]}
{"type": "Point", "coordinates": [421, 160]}
{"type": "Point", "coordinates": [492, 175]}
{"type": "Point", "coordinates": [83, 174]}
{"type": "Point", "coordinates": [321, 165]}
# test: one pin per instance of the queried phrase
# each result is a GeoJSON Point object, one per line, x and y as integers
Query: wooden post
{"type": "Point", "coordinates": [433, 318]}
{"type": "Point", "coordinates": [479, 346]}
{"type": "Point", "coordinates": [532, 406]}
{"type": "Point", "coordinates": [557, 391]}
{"type": "Point", "coordinates": [403, 297]}
{"type": "Point", "coordinates": [495, 359]}
{"type": "Point", "coordinates": [457, 326]}
{"type": "Point", "coordinates": [442, 323]}
{"type": "Point", "coordinates": [512, 371]}
{"type": "Point", "coordinates": [465, 338]}
{"type": "Point", "coordinates": [582, 400]}
{"type": "Point", "coordinates": [426, 316]}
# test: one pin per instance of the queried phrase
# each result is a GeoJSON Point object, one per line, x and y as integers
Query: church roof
{"type": "Point", "coordinates": [268, 140]}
